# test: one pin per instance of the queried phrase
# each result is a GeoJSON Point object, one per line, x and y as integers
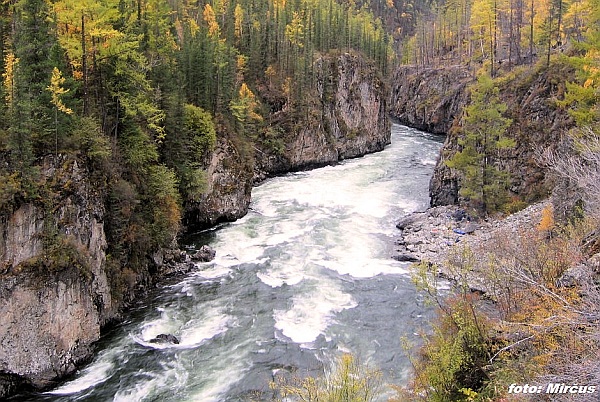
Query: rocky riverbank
{"type": "Point", "coordinates": [434, 235]}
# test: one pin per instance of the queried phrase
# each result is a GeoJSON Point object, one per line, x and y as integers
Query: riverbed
{"type": "Point", "coordinates": [304, 277]}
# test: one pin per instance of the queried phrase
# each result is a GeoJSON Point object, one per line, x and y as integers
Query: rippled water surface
{"type": "Point", "coordinates": [304, 277]}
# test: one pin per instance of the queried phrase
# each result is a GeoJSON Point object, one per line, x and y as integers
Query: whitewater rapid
{"type": "Point", "coordinates": [306, 275]}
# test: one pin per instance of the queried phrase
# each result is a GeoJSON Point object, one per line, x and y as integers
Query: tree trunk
{"type": "Point", "coordinates": [84, 66]}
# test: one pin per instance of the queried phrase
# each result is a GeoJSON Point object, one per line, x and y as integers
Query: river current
{"type": "Point", "coordinates": [306, 276]}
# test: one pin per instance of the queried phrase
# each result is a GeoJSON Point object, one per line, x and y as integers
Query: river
{"type": "Point", "coordinates": [304, 277]}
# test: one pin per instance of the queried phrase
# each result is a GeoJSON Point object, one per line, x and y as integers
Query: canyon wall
{"type": "Point", "coordinates": [59, 283]}
{"type": "Point", "coordinates": [346, 117]}
{"type": "Point", "coordinates": [433, 99]}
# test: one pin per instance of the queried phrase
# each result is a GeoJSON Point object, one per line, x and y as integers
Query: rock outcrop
{"type": "Point", "coordinates": [538, 124]}
{"type": "Point", "coordinates": [347, 118]}
{"type": "Point", "coordinates": [433, 99]}
{"type": "Point", "coordinates": [54, 290]}
{"type": "Point", "coordinates": [229, 176]}
{"type": "Point", "coordinates": [429, 99]}
{"type": "Point", "coordinates": [56, 287]}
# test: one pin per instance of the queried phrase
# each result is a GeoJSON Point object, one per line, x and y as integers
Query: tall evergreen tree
{"type": "Point", "coordinates": [35, 48]}
{"type": "Point", "coordinates": [482, 138]}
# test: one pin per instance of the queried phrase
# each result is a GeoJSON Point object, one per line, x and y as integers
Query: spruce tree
{"type": "Point", "coordinates": [35, 48]}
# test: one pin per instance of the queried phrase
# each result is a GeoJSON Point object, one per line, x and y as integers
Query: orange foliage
{"type": "Point", "coordinates": [547, 221]}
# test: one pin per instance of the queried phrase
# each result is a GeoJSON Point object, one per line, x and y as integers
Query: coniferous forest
{"type": "Point", "coordinates": [141, 90]}
{"type": "Point", "coordinates": [134, 97]}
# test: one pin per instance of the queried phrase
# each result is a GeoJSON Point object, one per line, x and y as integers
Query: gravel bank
{"type": "Point", "coordinates": [433, 235]}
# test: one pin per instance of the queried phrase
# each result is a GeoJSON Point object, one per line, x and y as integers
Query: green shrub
{"type": "Point", "coordinates": [88, 136]}
{"type": "Point", "coordinates": [10, 189]}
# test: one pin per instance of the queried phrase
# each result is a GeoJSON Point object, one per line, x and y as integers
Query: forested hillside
{"type": "Point", "coordinates": [121, 122]}
{"type": "Point", "coordinates": [503, 32]}
{"type": "Point", "coordinates": [142, 90]}
{"type": "Point", "coordinates": [529, 74]}
{"type": "Point", "coordinates": [147, 84]}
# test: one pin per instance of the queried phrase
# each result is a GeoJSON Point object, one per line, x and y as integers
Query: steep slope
{"type": "Point", "coordinates": [429, 99]}
{"type": "Point", "coordinates": [54, 288]}
{"type": "Point", "coordinates": [345, 117]}
{"type": "Point", "coordinates": [433, 100]}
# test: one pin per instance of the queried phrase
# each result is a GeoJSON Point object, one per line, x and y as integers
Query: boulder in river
{"type": "Point", "coordinates": [165, 338]}
{"type": "Point", "coordinates": [405, 257]}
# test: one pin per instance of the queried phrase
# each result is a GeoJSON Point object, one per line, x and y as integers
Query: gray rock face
{"type": "Point", "coordinates": [538, 125]}
{"type": "Point", "coordinates": [229, 186]}
{"type": "Point", "coordinates": [46, 329]}
{"type": "Point", "coordinates": [348, 119]}
{"type": "Point", "coordinates": [429, 99]}
{"type": "Point", "coordinates": [16, 242]}
{"type": "Point", "coordinates": [50, 316]}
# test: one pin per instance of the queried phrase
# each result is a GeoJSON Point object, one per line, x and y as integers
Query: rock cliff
{"type": "Point", "coordinates": [433, 99]}
{"type": "Point", "coordinates": [54, 289]}
{"type": "Point", "coordinates": [229, 184]}
{"type": "Point", "coordinates": [538, 124]}
{"type": "Point", "coordinates": [347, 117]}
{"type": "Point", "coordinates": [429, 99]}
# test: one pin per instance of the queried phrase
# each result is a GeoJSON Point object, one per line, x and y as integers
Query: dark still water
{"type": "Point", "coordinates": [304, 277]}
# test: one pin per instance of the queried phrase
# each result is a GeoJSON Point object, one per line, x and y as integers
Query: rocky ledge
{"type": "Point", "coordinates": [434, 235]}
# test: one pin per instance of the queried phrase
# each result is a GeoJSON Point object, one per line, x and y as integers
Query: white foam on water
{"type": "Point", "coordinates": [88, 377]}
{"type": "Point", "coordinates": [196, 331]}
{"type": "Point", "coordinates": [239, 251]}
{"type": "Point", "coordinates": [214, 272]}
{"type": "Point", "coordinates": [286, 231]}
{"type": "Point", "coordinates": [221, 376]}
{"type": "Point", "coordinates": [292, 267]}
{"type": "Point", "coordinates": [190, 333]}
{"type": "Point", "coordinates": [356, 249]}
{"type": "Point", "coordinates": [236, 245]}
{"type": "Point", "coordinates": [311, 313]}
{"type": "Point", "coordinates": [165, 324]}
{"type": "Point", "coordinates": [173, 377]}
{"type": "Point", "coordinates": [275, 278]}
{"type": "Point", "coordinates": [365, 269]}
